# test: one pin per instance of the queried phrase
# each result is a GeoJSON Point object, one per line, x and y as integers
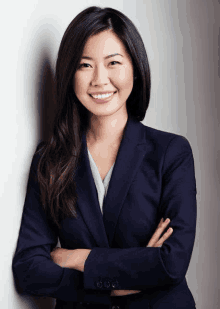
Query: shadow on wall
{"type": "Point", "coordinates": [45, 95]}
{"type": "Point", "coordinates": [45, 107]}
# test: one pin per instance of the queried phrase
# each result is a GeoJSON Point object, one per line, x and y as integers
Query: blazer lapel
{"type": "Point", "coordinates": [131, 152]}
{"type": "Point", "coordinates": [88, 203]}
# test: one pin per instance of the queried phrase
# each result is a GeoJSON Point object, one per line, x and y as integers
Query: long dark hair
{"type": "Point", "coordinates": [60, 156]}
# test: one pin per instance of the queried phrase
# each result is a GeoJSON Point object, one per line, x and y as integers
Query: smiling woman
{"type": "Point", "coordinates": [104, 182]}
{"type": "Point", "coordinates": [105, 75]}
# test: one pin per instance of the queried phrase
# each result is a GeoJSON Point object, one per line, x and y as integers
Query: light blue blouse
{"type": "Point", "coordinates": [101, 186]}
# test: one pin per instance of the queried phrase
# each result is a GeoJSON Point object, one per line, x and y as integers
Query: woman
{"type": "Point", "coordinates": [104, 183]}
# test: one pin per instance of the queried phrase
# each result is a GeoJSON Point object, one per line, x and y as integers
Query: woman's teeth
{"type": "Point", "coordinates": [102, 96]}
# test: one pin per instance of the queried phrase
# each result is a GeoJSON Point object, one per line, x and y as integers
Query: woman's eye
{"type": "Point", "coordinates": [84, 65]}
{"type": "Point", "coordinates": [114, 62]}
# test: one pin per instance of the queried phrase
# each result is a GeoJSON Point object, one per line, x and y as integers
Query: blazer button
{"type": "Point", "coordinates": [106, 284]}
{"type": "Point", "coordinates": [99, 284]}
{"type": "Point", "coordinates": [115, 284]}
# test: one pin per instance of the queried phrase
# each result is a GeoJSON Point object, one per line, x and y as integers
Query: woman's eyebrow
{"type": "Point", "coordinates": [109, 56]}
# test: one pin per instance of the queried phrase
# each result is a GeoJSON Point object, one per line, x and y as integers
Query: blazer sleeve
{"type": "Point", "coordinates": [34, 271]}
{"type": "Point", "coordinates": [143, 268]}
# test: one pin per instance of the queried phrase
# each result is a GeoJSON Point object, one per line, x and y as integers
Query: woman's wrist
{"type": "Point", "coordinates": [74, 259]}
{"type": "Point", "coordinates": [78, 259]}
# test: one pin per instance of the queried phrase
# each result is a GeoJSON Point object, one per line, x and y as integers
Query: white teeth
{"type": "Point", "coordinates": [102, 96]}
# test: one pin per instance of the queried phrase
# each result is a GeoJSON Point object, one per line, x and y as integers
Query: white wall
{"type": "Point", "coordinates": [181, 38]}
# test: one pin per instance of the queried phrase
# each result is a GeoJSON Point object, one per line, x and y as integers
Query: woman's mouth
{"type": "Point", "coordinates": [102, 98]}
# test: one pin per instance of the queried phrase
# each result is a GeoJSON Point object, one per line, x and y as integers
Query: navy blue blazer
{"type": "Point", "coordinates": [153, 178]}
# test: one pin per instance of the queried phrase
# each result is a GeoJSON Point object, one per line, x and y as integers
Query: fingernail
{"type": "Point", "coordinates": [167, 220]}
{"type": "Point", "coordinates": [170, 229]}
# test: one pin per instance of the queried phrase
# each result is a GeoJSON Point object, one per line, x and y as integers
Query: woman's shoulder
{"type": "Point", "coordinates": [164, 138]}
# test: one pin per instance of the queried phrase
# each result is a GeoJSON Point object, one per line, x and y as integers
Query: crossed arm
{"type": "Point", "coordinates": [75, 259]}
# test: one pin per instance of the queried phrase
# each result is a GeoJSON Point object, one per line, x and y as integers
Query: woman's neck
{"type": "Point", "coordinates": [106, 129]}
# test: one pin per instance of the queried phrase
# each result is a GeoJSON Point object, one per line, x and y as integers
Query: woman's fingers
{"type": "Point", "coordinates": [156, 236]}
{"type": "Point", "coordinates": [123, 292]}
{"type": "Point", "coordinates": [164, 237]}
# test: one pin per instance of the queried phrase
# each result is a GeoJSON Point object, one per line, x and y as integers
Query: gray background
{"type": "Point", "coordinates": [182, 41]}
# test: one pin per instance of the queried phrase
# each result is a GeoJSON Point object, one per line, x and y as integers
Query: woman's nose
{"type": "Point", "coordinates": [100, 76]}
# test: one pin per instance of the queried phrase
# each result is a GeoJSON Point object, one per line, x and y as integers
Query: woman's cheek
{"type": "Point", "coordinates": [126, 78]}
{"type": "Point", "coordinates": [80, 84]}
{"type": "Point", "coordinates": [122, 76]}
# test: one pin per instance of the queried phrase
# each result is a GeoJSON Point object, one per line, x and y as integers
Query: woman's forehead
{"type": "Point", "coordinates": [104, 44]}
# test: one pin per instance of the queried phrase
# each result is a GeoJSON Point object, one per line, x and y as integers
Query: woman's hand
{"type": "Point", "coordinates": [155, 241]}
{"type": "Point", "coordinates": [123, 292]}
{"type": "Point", "coordinates": [74, 259]}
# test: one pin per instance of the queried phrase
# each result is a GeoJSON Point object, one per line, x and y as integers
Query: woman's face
{"type": "Point", "coordinates": [104, 78]}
